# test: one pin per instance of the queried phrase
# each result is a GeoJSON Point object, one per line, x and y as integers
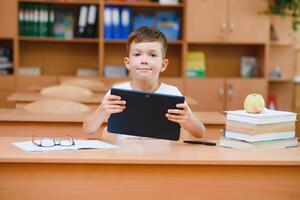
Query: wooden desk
{"type": "Point", "coordinates": [20, 122]}
{"type": "Point", "coordinates": [148, 169]}
{"type": "Point", "coordinates": [22, 98]}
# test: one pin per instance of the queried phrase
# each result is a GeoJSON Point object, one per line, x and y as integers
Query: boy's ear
{"type": "Point", "coordinates": [126, 62]}
{"type": "Point", "coordinates": [165, 63]}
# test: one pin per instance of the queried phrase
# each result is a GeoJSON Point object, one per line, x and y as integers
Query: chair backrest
{"type": "Point", "coordinates": [92, 84]}
{"type": "Point", "coordinates": [52, 106]}
{"type": "Point", "coordinates": [66, 92]}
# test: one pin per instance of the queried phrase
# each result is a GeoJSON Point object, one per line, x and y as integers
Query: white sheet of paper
{"type": "Point", "coordinates": [79, 144]}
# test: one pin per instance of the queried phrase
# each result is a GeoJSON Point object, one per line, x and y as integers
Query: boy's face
{"type": "Point", "coordinates": [145, 60]}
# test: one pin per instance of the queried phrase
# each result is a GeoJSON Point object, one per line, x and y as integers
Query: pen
{"type": "Point", "coordinates": [200, 142]}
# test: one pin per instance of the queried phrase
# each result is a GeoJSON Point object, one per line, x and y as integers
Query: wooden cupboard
{"type": "Point", "coordinates": [218, 94]}
{"type": "Point", "coordinates": [216, 21]}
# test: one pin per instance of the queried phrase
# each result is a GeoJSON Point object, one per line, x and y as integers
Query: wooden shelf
{"type": "Point", "coordinates": [50, 39]}
{"type": "Point", "coordinates": [280, 43]}
{"type": "Point", "coordinates": [61, 1]}
{"type": "Point", "coordinates": [280, 79]}
{"type": "Point", "coordinates": [144, 4]}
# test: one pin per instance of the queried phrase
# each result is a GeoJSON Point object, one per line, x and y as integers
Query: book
{"type": "Point", "coordinates": [260, 137]}
{"type": "Point", "coordinates": [87, 72]}
{"type": "Point", "coordinates": [248, 66]}
{"type": "Point", "coordinates": [195, 64]}
{"type": "Point", "coordinates": [254, 129]}
{"type": "Point", "coordinates": [258, 146]}
{"type": "Point", "coordinates": [115, 71]}
{"type": "Point", "coordinates": [30, 71]}
{"type": "Point", "coordinates": [265, 117]}
{"type": "Point", "coordinates": [168, 22]}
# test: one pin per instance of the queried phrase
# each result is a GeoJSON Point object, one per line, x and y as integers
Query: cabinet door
{"type": "Point", "coordinates": [209, 93]}
{"type": "Point", "coordinates": [8, 18]}
{"type": "Point", "coordinates": [246, 21]}
{"type": "Point", "coordinates": [206, 20]}
{"type": "Point", "coordinates": [238, 89]}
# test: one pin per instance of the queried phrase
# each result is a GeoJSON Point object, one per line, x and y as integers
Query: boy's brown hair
{"type": "Point", "coordinates": [148, 34]}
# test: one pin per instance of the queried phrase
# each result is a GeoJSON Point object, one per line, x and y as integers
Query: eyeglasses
{"type": "Point", "coordinates": [51, 141]}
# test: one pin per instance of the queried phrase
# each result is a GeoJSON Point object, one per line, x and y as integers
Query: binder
{"type": "Point", "coordinates": [82, 22]}
{"type": "Point", "coordinates": [108, 23]}
{"type": "Point", "coordinates": [51, 21]}
{"type": "Point", "coordinates": [116, 22]}
{"type": "Point", "coordinates": [21, 20]}
{"type": "Point", "coordinates": [91, 29]}
{"type": "Point", "coordinates": [125, 22]}
{"type": "Point", "coordinates": [168, 23]}
{"type": "Point", "coordinates": [140, 19]}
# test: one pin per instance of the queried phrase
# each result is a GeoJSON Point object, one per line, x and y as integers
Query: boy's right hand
{"type": "Point", "coordinates": [112, 104]}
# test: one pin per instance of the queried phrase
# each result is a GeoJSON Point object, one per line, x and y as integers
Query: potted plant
{"type": "Point", "coordinates": [284, 8]}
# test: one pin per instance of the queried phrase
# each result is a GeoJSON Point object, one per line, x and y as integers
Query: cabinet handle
{"type": "Point", "coordinates": [232, 27]}
{"type": "Point", "coordinates": [223, 26]}
{"type": "Point", "coordinates": [221, 92]}
{"type": "Point", "coordinates": [229, 91]}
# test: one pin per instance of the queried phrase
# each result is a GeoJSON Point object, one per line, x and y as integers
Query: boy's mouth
{"type": "Point", "coordinates": [144, 69]}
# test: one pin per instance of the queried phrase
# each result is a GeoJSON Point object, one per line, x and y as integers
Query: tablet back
{"type": "Point", "coordinates": [145, 115]}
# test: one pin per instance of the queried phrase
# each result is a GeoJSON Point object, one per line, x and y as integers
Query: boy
{"type": "Point", "coordinates": [147, 50]}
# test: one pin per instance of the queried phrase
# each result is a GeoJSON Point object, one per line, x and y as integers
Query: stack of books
{"type": "Point", "coordinates": [267, 130]}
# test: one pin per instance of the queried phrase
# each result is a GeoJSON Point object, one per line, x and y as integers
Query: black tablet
{"type": "Point", "coordinates": [145, 115]}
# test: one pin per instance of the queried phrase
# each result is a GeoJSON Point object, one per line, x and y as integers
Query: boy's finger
{"type": "Point", "coordinates": [181, 105]}
{"type": "Point", "coordinates": [114, 107]}
{"type": "Point", "coordinates": [176, 111]}
{"type": "Point", "coordinates": [113, 97]}
{"type": "Point", "coordinates": [181, 117]}
{"type": "Point", "coordinates": [116, 102]}
{"type": "Point", "coordinates": [115, 110]}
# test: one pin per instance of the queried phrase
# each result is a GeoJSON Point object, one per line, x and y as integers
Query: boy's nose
{"type": "Point", "coordinates": [144, 60]}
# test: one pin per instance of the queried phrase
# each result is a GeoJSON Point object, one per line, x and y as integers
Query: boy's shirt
{"type": "Point", "coordinates": [163, 88]}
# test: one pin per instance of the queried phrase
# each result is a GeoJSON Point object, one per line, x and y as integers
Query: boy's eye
{"type": "Point", "coordinates": [136, 54]}
{"type": "Point", "coordinates": [153, 55]}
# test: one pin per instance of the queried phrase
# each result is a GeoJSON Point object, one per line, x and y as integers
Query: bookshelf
{"type": "Point", "coordinates": [281, 61]}
{"type": "Point", "coordinates": [224, 37]}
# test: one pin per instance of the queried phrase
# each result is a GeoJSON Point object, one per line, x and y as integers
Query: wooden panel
{"type": "Point", "coordinates": [3, 101]}
{"type": "Point", "coordinates": [58, 58]}
{"type": "Point", "coordinates": [282, 57]}
{"type": "Point", "coordinates": [7, 83]}
{"type": "Point", "coordinates": [224, 60]}
{"type": "Point", "coordinates": [283, 92]}
{"type": "Point", "coordinates": [91, 181]}
{"type": "Point", "coordinates": [35, 83]}
{"type": "Point", "coordinates": [297, 73]}
{"type": "Point", "coordinates": [238, 89]}
{"type": "Point", "coordinates": [8, 18]}
{"type": "Point", "coordinates": [283, 28]}
{"type": "Point", "coordinates": [206, 20]}
{"type": "Point", "coordinates": [209, 93]}
{"type": "Point", "coordinates": [245, 22]}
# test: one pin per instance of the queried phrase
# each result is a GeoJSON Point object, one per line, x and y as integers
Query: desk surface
{"type": "Point", "coordinates": [22, 115]}
{"type": "Point", "coordinates": [34, 96]}
{"type": "Point", "coordinates": [149, 151]}
{"type": "Point", "coordinates": [27, 97]}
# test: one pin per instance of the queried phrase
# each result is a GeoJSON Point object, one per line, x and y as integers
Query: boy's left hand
{"type": "Point", "coordinates": [180, 115]}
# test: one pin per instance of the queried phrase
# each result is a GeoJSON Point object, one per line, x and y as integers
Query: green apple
{"type": "Point", "coordinates": [254, 103]}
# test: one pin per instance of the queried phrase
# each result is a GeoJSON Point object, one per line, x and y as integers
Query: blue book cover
{"type": "Point", "coordinates": [168, 22]}
{"type": "Point", "coordinates": [125, 22]}
{"type": "Point", "coordinates": [140, 19]}
{"type": "Point", "coordinates": [116, 25]}
{"type": "Point", "coordinates": [108, 23]}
